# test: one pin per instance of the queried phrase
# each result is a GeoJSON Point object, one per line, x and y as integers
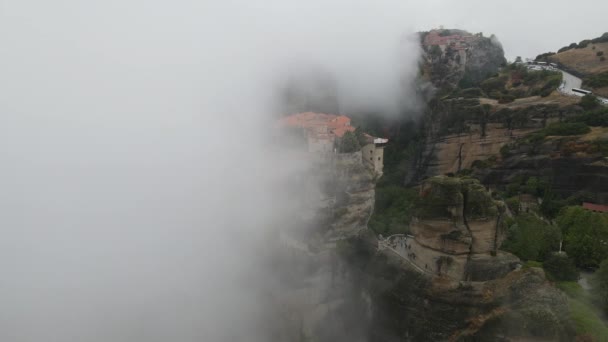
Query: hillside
{"type": "Point", "coordinates": [539, 151]}
{"type": "Point", "coordinates": [583, 60]}
{"type": "Point", "coordinates": [587, 60]}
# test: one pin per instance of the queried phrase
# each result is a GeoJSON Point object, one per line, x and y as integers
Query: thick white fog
{"type": "Point", "coordinates": [137, 183]}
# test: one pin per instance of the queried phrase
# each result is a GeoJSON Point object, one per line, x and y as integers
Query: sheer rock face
{"type": "Point", "coordinates": [349, 190]}
{"type": "Point", "coordinates": [314, 295]}
{"type": "Point", "coordinates": [457, 231]}
{"type": "Point", "coordinates": [484, 58]}
{"type": "Point", "coordinates": [571, 163]}
{"type": "Point", "coordinates": [409, 305]}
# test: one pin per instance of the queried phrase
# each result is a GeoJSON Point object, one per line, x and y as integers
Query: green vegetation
{"type": "Point", "coordinates": [531, 238]}
{"type": "Point", "coordinates": [589, 101]}
{"type": "Point", "coordinates": [394, 201]}
{"type": "Point", "coordinates": [513, 204]}
{"type": "Point", "coordinates": [516, 81]}
{"type": "Point", "coordinates": [561, 268]}
{"type": "Point", "coordinates": [602, 277]}
{"type": "Point", "coordinates": [349, 143]}
{"type": "Point", "coordinates": [439, 194]}
{"type": "Point", "coordinates": [585, 235]}
{"type": "Point", "coordinates": [583, 312]}
{"type": "Point", "coordinates": [597, 117]}
{"type": "Point", "coordinates": [532, 263]}
{"type": "Point", "coordinates": [566, 128]}
{"type": "Point", "coordinates": [597, 81]}
{"type": "Point", "coordinates": [544, 56]}
{"type": "Point", "coordinates": [584, 43]}
{"type": "Point", "coordinates": [494, 84]}
{"type": "Point", "coordinates": [393, 210]}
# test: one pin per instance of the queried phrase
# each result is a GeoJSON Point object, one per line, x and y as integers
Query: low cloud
{"type": "Point", "coordinates": [139, 187]}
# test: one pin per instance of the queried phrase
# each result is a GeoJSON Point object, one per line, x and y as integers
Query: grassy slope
{"type": "Point", "coordinates": [584, 60]}
{"type": "Point", "coordinates": [584, 314]}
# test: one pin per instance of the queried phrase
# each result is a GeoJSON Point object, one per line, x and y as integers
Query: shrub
{"type": "Point", "coordinates": [584, 235]}
{"type": "Point", "coordinates": [599, 53]}
{"type": "Point", "coordinates": [602, 275]}
{"type": "Point", "coordinates": [494, 84]}
{"type": "Point", "coordinates": [531, 238]}
{"type": "Point", "coordinates": [505, 151]}
{"type": "Point", "coordinates": [513, 204]}
{"type": "Point", "coordinates": [592, 118]}
{"type": "Point", "coordinates": [348, 143]}
{"type": "Point", "coordinates": [544, 56]}
{"type": "Point", "coordinates": [589, 102]}
{"type": "Point", "coordinates": [583, 44]}
{"type": "Point", "coordinates": [598, 80]}
{"type": "Point", "coordinates": [561, 268]}
{"type": "Point", "coordinates": [392, 210]}
{"type": "Point", "coordinates": [545, 92]}
{"type": "Point", "coordinates": [566, 128]}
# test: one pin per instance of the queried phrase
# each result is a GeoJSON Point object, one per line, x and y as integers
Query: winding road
{"type": "Point", "coordinates": [570, 81]}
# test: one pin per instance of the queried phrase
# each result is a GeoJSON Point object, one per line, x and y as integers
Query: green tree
{"type": "Point", "coordinates": [484, 115]}
{"type": "Point", "coordinates": [530, 238]}
{"type": "Point", "coordinates": [551, 204]}
{"type": "Point", "coordinates": [361, 136]}
{"type": "Point", "coordinates": [348, 143]}
{"type": "Point", "coordinates": [589, 102]}
{"type": "Point", "coordinates": [560, 267]}
{"type": "Point", "coordinates": [532, 186]}
{"type": "Point", "coordinates": [585, 235]}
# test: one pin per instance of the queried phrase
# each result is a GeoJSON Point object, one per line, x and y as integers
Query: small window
{"type": "Point", "coordinates": [370, 151]}
{"type": "Point", "coordinates": [378, 158]}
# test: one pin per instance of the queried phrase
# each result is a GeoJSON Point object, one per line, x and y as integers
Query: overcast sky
{"type": "Point", "coordinates": [525, 28]}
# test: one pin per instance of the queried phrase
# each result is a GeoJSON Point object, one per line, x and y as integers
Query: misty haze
{"type": "Point", "coordinates": [303, 171]}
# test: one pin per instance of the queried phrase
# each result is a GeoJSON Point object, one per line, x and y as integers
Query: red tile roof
{"type": "Point", "coordinates": [319, 124]}
{"type": "Point", "coordinates": [596, 207]}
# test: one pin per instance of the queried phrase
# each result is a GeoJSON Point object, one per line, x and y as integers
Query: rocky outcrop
{"type": "Point", "coordinates": [456, 152]}
{"type": "Point", "coordinates": [484, 58]}
{"type": "Point", "coordinates": [457, 231]}
{"type": "Point", "coordinates": [313, 296]}
{"type": "Point", "coordinates": [349, 190]}
{"type": "Point", "coordinates": [570, 173]}
{"type": "Point", "coordinates": [409, 305]}
{"type": "Point", "coordinates": [460, 57]}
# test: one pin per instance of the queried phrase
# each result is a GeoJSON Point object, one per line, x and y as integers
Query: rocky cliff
{"type": "Point", "coordinates": [453, 57]}
{"type": "Point", "coordinates": [572, 163]}
{"type": "Point", "coordinates": [457, 231]}
{"type": "Point", "coordinates": [334, 283]}
{"type": "Point", "coordinates": [312, 296]}
{"type": "Point", "coordinates": [408, 305]}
